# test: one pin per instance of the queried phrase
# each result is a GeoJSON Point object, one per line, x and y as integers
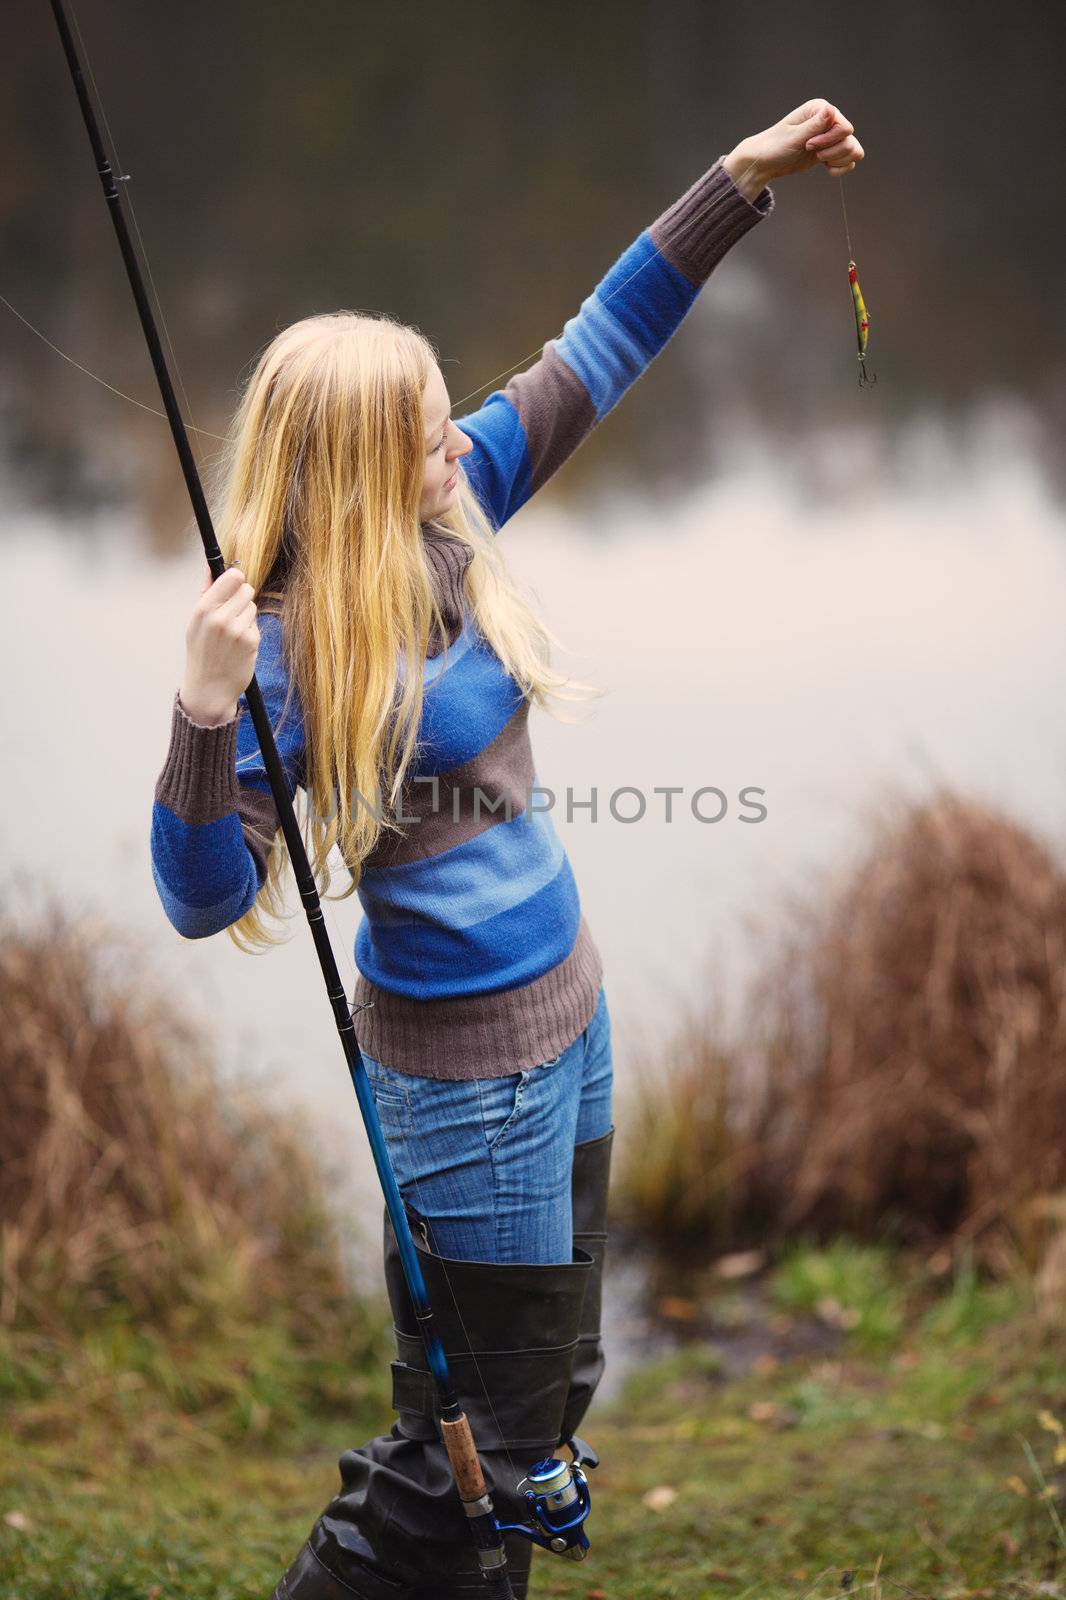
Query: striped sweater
{"type": "Point", "coordinates": [473, 948]}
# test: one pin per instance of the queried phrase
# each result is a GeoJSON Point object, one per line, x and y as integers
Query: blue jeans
{"type": "Point", "coordinates": [487, 1161]}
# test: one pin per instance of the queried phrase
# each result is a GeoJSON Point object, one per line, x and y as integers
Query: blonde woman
{"type": "Point", "coordinates": [399, 661]}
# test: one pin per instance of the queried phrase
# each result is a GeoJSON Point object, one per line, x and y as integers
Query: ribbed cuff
{"type": "Point", "coordinates": [199, 777]}
{"type": "Point", "coordinates": [697, 230]}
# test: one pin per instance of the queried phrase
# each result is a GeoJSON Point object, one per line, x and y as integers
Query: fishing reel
{"type": "Point", "coordinates": [559, 1501]}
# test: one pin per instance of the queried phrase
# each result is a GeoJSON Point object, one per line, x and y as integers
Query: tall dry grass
{"type": "Point", "coordinates": [129, 1176]}
{"type": "Point", "coordinates": [901, 1061]}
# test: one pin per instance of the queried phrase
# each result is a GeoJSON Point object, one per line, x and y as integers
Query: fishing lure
{"type": "Point", "coordinates": [862, 316]}
{"type": "Point", "coordinates": [862, 323]}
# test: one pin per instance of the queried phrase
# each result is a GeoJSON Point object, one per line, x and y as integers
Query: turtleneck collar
{"type": "Point", "coordinates": [448, 559]}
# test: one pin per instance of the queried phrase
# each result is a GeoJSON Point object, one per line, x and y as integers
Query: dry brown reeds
{"type": "Point", "coordinates": [901, 1064]}
{"type": "Point", "coordinates": [128, 1176]}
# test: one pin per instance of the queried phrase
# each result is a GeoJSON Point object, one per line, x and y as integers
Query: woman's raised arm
{"type": "Point", "coordinates": [525, 431]}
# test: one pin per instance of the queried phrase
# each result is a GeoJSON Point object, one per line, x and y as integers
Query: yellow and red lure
{"type": "Point", "coordinates": [862, 316]}
{"type": "Point", "coordinates": [862, 323]}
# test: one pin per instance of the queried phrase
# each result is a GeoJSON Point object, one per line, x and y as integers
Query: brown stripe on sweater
{"type": "Point", "coordinates": [448, 560]}
{"type": "Point", "coordinates": [199, 782]}
{"type": "Point", "coordinates": [493, 786]}
{"type": "Point", "coordinates": [699, 228]}
{"type": "Point", "coordinates": [259, 813]}
{"type": "Point", "coordinates": [199, 777]}
{"type": "Point", "coordinates": [555, 410]}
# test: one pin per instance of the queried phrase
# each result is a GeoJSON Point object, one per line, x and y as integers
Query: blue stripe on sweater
{"type": "Point", "coordinates": [425, 960]}
{"type": "Point", "coordinates": [465, 707]}
{"type": "Point", "coordinates": [492, 872]}
{"type": "Point", "coordinates": [204, 872]}
{"type": "Point", "coordinates": [498, 466]}
{"type": "Point", "coordinates": [617, 332]}
{"type": "Point", "coordinates": [625, 290]}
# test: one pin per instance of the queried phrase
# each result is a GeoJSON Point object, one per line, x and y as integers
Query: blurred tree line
{"type": "Point", "coordinates": [476, 172]}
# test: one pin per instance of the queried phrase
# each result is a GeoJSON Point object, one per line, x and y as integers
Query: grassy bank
{"type": "Point", "coordinates": [904, 1443]}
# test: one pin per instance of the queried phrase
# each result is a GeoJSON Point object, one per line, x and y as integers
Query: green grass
{"type": "Point", "coordinates": [926, 1440]}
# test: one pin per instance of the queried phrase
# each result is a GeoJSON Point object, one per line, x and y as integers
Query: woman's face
{"type": "Point", "coordinates": [445, 444]}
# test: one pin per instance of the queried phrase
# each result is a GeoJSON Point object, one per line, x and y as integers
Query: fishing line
{"type": "Point", "coordinates": [102, 381]}
{"type": "Point", "coordinates": [121, 176]}
{"type": "Point", "coordinates": [862, 315]}
{"type": "Point", "coordinates": [847, 231]}
{"type": "Point", "coordinates": [152, 412]}
{"type": "Point", "coordinates": [700, 217]}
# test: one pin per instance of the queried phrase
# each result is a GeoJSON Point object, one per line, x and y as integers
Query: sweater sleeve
{"type": "Point", "coordinates": [525, 431]}
{"type": "Point", "coordinates": [214, 816]}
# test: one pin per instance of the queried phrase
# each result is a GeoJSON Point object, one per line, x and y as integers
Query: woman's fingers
{"type": "Point", "coordinates": [239, 611]}
{"type": "Point", "coordinates": [833, 135]}
{"type": "Point", "coordinates": [841, 158]}
{"type": "Point", "coordinates": [838, 128]}
{"type": "Point", "coordinates": [228, 590]}
{"type": "Point", "coordinates": [840, 122]}
{"type": "Point", "coordinates": [848, 149]}
{"type": "Point", "coordinates": [838, 168]}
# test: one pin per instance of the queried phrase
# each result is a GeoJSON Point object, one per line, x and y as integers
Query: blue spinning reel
{"type": "Point", "coordinates": [559, 1501]}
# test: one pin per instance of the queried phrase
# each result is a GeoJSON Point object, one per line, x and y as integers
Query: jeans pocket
{"type": "Point", "coordinates": [391, 1098]}
{"type": "Point", "coordinates": [501, 1105]}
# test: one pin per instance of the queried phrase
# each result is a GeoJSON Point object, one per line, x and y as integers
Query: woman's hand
{"type": "Point", "coordinates": [221, 644]}
{"type": "Point", "coordinates": [815, 132]}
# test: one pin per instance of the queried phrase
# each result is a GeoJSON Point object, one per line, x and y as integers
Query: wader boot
{"type": "Point", "coordinates": [588, 1189]}
{"type": "Point", "coordinates": [396, 1530]}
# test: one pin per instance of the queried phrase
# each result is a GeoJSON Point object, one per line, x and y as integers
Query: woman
{"type": "Point", "coordinates": [359, 520]}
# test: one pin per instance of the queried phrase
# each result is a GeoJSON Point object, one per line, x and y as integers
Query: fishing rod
{"type": "Point", "coordinates": [556, 1524]}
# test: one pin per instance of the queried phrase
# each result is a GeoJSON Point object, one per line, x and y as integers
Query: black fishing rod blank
{"type": "Point", "coordinates": [455, 1427]}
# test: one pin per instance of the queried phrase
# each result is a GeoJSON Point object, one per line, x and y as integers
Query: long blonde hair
{"type": "Point", "coordinates": [318, 493]}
